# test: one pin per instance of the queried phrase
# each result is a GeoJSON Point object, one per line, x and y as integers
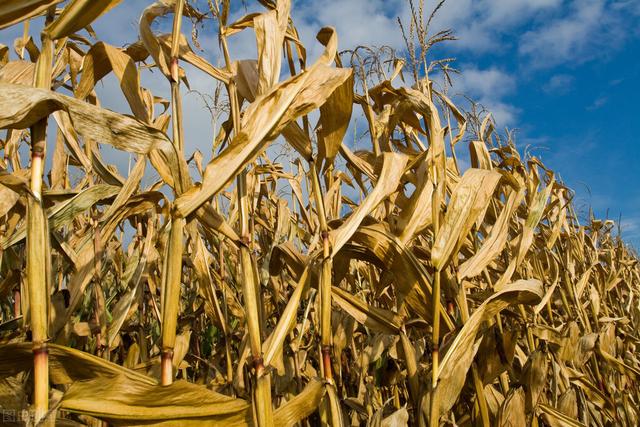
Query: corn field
{"type": "Point", "coordinates": [383, 285]}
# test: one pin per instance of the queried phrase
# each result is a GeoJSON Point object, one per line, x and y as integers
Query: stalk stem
{"type": "Point", "coordinates": [16, 302]}
{"type": "Point", "coordinates": [325, 277]}
{"type": "Point", "coordinates": [166, 367]}
{"type": "Point", "coordinates": [171, 297]}
{"type": "Point", "coordinates": [435, 299]}
{"type": "Point", "coordinates": [330, 412]}
{"type": "Point", "coordinates": [435, 352]}
{"type": "Point", "coordinates": [173, 267]}
{"type": "Point", "coordinates": [40, 387]}
{"type": "Point", "coordinates": [262, 393]}
{"type": "Point", "coordinates": [37, 240]}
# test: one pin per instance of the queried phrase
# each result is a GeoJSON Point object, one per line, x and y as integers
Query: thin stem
{"type": "Point", "coordinates": [171, 297]}
{"type": "Point", "coordinates": [435, 299]}
{"type": "Point", "coordinates": [325, 277]}
{"type": "Point", "coordinates": [176, 102]}
{"type": "Point", "coordinates": [262, 393]}
{"type": "Point", "coordinates": [173, 261]}
{"type": "Point", "coordinates": [37, 240]}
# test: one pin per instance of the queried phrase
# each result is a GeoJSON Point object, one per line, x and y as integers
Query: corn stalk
{"type": "Point", "coordinates": [173, 269]}
{"type": "Point", "coordinates": [38, 255]}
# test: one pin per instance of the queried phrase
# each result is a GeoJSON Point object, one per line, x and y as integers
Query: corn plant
{"type": "Point", "coordinates": [383, 285]}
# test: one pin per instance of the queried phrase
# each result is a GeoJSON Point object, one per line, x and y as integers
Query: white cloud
{"type": "Point", "coordinates": [630, 228]}
{"type": "Point", "coordinates": [598, 103]}
{"type": "Point", "coordinates": [512, 11]}
{"type": "Point", "coordinates": [482, 24]}
{"type": "Point", "coordinates": [504, 114]}
{"type": "Point", "coordinates": [545, 33]}
{"type": "Point", "coordinates": [479, 24]}
{"type": "Point", "coordinates": [567, 37]}
{"type": "Point", "coordinates": [586, 30]}
{"type": "Point", "coordinates": [487, 83]}
{"type": "Point", "coordinates": [120, 25]}
{"type": "Point", "coordinates": [358, 22]}
{"type": "Point", "coordinates": [489, 87]}
{"type": "Point", "coordinates": [558, 84]}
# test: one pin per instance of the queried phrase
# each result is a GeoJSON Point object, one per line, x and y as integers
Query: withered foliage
{"type": "Point", "coordinates": [380, 286]}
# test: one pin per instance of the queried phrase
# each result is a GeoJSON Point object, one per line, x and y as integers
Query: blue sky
{"type": "Point", "coordinates": [564, 73]}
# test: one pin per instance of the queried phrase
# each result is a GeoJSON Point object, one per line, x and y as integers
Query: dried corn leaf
{"type": "Point", "coordinates": [392, 170]}
{"type": "Point", "coordinates": [21, 107]}
{"type": "Point", "coordinates": [335, 116]}
{"type": "Point", "coordinates": [18, 72]}
{"type": "Point", "coordinates": [511, 412]}
{"type": "Point", "coordinates": [14, 11]}
{"type": "Point", "coordinates": [77, 15]}
{"type": "Point", "coordinates": [262, 122]}
{"type": "Point", "coordinates": [456, 362]}
{"type": "Point", "coordinates": [103, 59]}
{"type": "Point", "coordinates": [495, 242]}
{"type": "Point", "coordinates": [468, 201]}
{"type": "Point", "coordinates": [124, 402]}
{"type": "Point", "coordinates": [378, 319]}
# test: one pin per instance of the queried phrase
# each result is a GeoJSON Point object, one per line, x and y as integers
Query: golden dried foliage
{"type": "Point", "coordinates": [257, 291]}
